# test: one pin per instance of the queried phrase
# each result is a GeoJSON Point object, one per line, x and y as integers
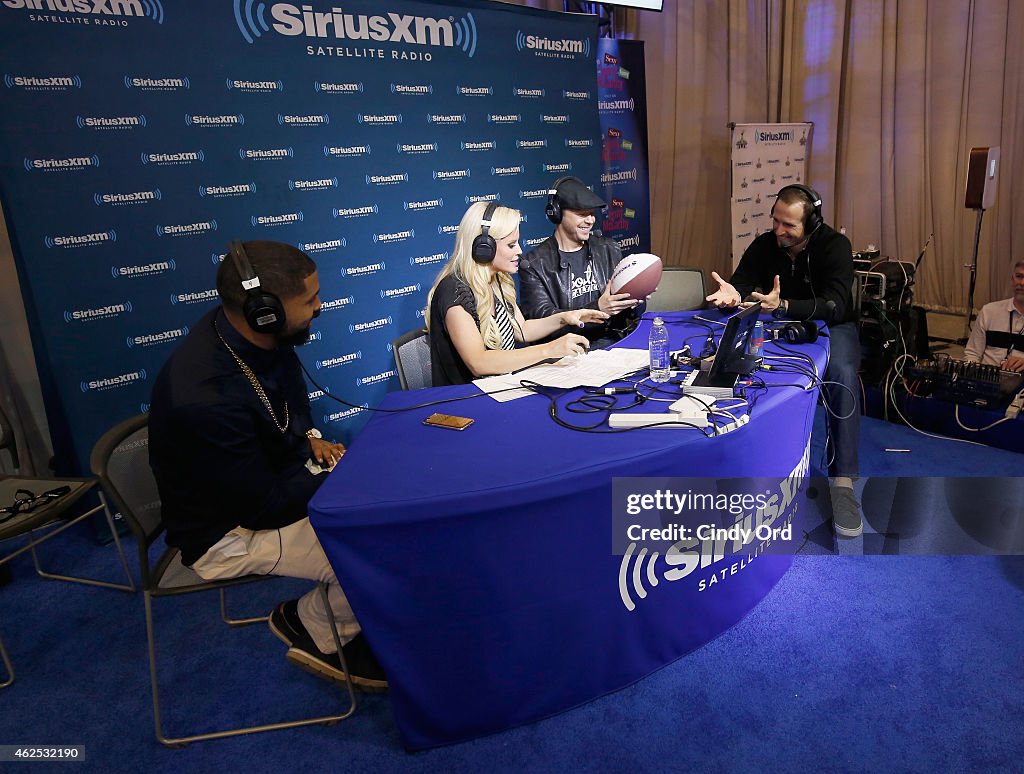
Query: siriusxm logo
{"type": "Point", "coordinates": [218, 191]}
{"type": "Point", "coordinates": [284, 219]}
{"type": "Point", "coordinates": [480, 145]}
{"type": "Point", "coordinates": [615, 105]}
{"type": "Point", "coordinates": [336, 303]}
{"type": "Point", "coordinates": [355, 212]}
{"type": "Point", "coordinates": [310, 120]}
{"type": "Point", "coordinates": [474, 91]}
{"type": "Point", "coordinates": [313, 185]}
{"type": "Point", "coordinates": [447, 229]}
{"type": "Point", "coordinates": [405, 290]}
{"type": "Point", "coordinates": [548, 118]}
{"type": "Point", "coordinates": [315, 395]}
{"type": "Point", "coordinates": [406, 88]}
{"type": "Point", "coordinates": [80, 240]}
{"type": "Point", "coordinates": [151, 9]}
{"type": "Point", "coordinates": [550, 168]}
{"type": "Point", "coordinates": [576, 95]}
{"type": "Point", "coordinates": [157, 84]}
{"type": "Point", "coordinates": [428, 204]}
{"type": "Point", "coordinates": [491, 197]}
{"type": "Point", "coordinates": [579, 142]}
{"type": "Point", "coordinates": [163, 337]}
{"type": "Point", "coordinates": [398, 177]}
{"type": "Point", "coordinates": [383, 376]}
{"type": "Point", "coordinates": [110, 122]}
{"type": "Point", "coordinates": [98, 313]}
{"type": "Point", "coordinates": [69, 164]}
{"type": "Point", "coordinates": [294, 21]}
{"type": "Point", "coordinates": [537, 193]}
{"type": "Point", "coordinates": [113, 382]}
{"type": "Point", "coordinates": [449, 119]}
{"type": "Point", "coordinates": [363, 271]}
{"type": "Point", "coordinates": [33, 83]}
{"type": "Point", "coordinates": [504, 118]}
{"type": "Point", "coordinates": [343, 151]}
{"type": "Point", "coordinates": [428, 260]}
{"type": "Point", "coordinates": [451, 174]}
{"type": "Point", "coordinates": [373, 325]}
{"type": "Point", "coordinates": [187, 229]}
{"type": "Point", "coordinates": [332, 362]}
{"type": "Point", "coordinates": [338, 88]}
{"type": "Point", "coordinates": [266, 154]}
{"type": "Point", "coordinates": [254, 87]}
{"type": "Point", "coordinates": [346, 414]}
{"type": "Point", "coordinates": [172, 159]}
{"type": "Point", "coordinates": [521, 92]}
{"type": "Point", "coordinates": [323, 247]}
{"type": "Point", "coordinates": [627, 242]}
{"type": "Point", "coordinates": [378, 119]}
{"type": "Point", "coordinates": [397, 236]}
{"type": "Point", "coordinates": [143, 270]}
{"type": "Point", "coordinates": [534, 242]}
{"type": "Point", "coordinates": [607, 178]}
{"type": "Point", "coordinates": [425, 147]}
{"type": "Point", "coordinates": [526, 144]}
{"type": "Point", "coordinates": [196, 297]}
{"type": "Point", "coordinates": [565, 48]}
{"type": "Point", "coordinates": [194, 119]}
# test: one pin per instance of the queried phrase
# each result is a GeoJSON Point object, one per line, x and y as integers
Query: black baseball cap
{"type": "Point", "coordinates": [574, 195]}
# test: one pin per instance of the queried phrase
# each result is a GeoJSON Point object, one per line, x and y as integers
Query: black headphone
{"type": "Point", "coordinates": [262, 310]}
{"type": "Point", "coordinates": [796, 332]}
{"type": "Point", "coordinates": [553, 209]}
{"type": "Point", "coordinates": [484, 247]}
{"type": "Point", "coordinates": [813, 219]}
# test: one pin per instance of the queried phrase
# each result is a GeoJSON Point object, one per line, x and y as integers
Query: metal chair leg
{"type": "Point", "coordinates": [236, 621]}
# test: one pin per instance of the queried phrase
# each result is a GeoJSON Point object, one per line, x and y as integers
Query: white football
{"type": "Point", "coordinates": [637, 274]}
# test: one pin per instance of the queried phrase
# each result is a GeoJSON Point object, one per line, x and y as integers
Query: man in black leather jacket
{"type": "Point", "coordinates": [572, 268]}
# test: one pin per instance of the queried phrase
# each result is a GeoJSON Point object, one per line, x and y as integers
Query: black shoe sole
{"type": "Point", "coordinates": [314, 666]}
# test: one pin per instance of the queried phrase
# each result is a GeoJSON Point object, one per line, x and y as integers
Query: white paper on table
{"type": "Point", "coordinates": [593, 369]}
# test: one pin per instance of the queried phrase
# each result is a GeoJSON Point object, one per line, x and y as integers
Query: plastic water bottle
{"type": "Point", "coordinates": [756, 342]}
{"type": "Point", "coordinates": [657, 345]}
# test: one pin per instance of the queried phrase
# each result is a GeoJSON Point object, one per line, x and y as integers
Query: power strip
{"type": "Point", "coordinates": [1015, 406]}
{"type": "Point", "coordinates": [743, 419]}
{"type": "Point", "coordinates": [640, 420]}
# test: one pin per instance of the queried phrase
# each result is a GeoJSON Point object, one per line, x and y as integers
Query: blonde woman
{"type": "Point", "coordinates": [476, 327]}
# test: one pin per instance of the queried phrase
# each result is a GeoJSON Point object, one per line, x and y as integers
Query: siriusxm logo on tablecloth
{"type": "Point", "coordinates": [146, 9]}
{"type": "Point", "coordinates": [38, 83]}
{"type": "Point", "coordinates": [536, 193]}
{"type": "Point", "coordinates": [518, 169]}
{"type": "Point", "coordinates": [254, 87]}
{"type": "Point", "coordinates": [345, 151]}
{"type": "Point", "coordinates": [336, 303]}
{"type": "Point", "coordinates": [328, 87]}
{"type": "Point", "coordinates": [291, 20]}
{"type": "Point", "coordinates": [413, 89]}
{"type": "Point", "coordinates": [451, 174]}
{"type": "Point", "coordinates": [427, 204]}
{"type": "Point", "coordinates": [565, 48]}
{"type": "Point", "coordinates": [392, 179]}
{"type": "Point", "coordinates": [354, 212]}
{"type": "Point", "coordinates": [379, 119]}
{"type": "Point", "coordinates": [579, 96]}
{"type": "Point", "coordinates": [266, 154]}
{"type": "Point", "coordinates": [97, 313]}
{"type": "Point", "coordinates": [143, 270]}
{"type": "Point", "coordinates": [68, 164]}
{"type": "Point", "coordinates": [504, 118]}
{"type": "Point", "coordinates": [346, 414]}
{"type": "Point", "coordinates": [530, 144]}
{"type": "Point", "coordinates": [284, 219]}
{"type": "Point", "coordinates": [474, 91]}
{"type": "Point", "coordinates": [446, 119]}
{"type": "Point", "coordinates": [157, 84]}
{"type": "Point", "coordinates": [313, 185]}
{"type": "Point", "coordinates": [578, 143]}
{"type": "Point", "coordinates": [110, 122]}
{"type": "Point", "coordinates": [405, 290]}
{"type": "Point", "coordinates": [565, 166]}
{"type": "Point", "coordinates": [428, 260]}
{"type": "Point", "coordinates": [151, 339]}
{"type": "Point", "coordinates": [383, 376]}
{"type": "Point", "coordinates": [181, 158]}
{"type": "Point", "coordinates": [197, 119]}
{"type": "Point", "coordinates": [363, 271]}
{"type": "Point", "coordinates": [220, 191]}
{"type": "Point", "coordinates": [372, 325]}
{"type": "Point", "coordinates": [615, 105]}
{"type": "Point", "coordinates": [420, 148]}
{"type": "Point", "coordinates": [333, 362]}
{"type": "Point", "coordinates": [478, 145]}
{"type": "Point", "coordinates": [113, 382]}
{"type": "Point", "coordinates": [395, 236]}
{"type": "Point", "coordinates": [195, 297]}
{"type": "Point", "coordinates": [519, 91]}
{"type": "Point", "coordinates": [607, 178]}
{"type": "Point", "coordinates": [322, 119]}
{"type": "Point", "coordinates": [324, 246]}
{"type": "Point", "coordinates": [186, 229]}
{"type": "Point", "coordinates": [80, 240]}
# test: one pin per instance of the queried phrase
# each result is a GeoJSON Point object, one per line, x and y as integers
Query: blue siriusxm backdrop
{"type": "Point", "coordinates": [140, 136]}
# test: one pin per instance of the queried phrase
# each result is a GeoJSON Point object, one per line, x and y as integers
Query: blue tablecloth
{"type": "Point", "coordinates": [480, 562]}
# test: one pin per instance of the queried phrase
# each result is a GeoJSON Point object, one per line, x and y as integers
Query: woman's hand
{"type": "Point", "coordinates": [569, 344]}
{"type": "Point", "coordinates": [577, 318]}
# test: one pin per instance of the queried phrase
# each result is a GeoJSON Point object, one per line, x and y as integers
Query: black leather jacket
{"type": "Point", "coordinates": [544, 287]}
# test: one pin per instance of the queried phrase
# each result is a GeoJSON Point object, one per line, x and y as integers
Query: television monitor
{"type": "Point", "coordinates": [731, 359]}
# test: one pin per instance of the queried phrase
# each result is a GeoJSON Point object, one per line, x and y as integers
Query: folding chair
{"type": "Point", "coordinates": [412, 358]}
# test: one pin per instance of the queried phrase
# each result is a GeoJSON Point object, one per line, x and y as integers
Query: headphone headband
{"type": "Point", "coordinates": [813, 219]}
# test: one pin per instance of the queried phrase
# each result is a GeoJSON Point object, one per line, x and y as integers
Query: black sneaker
{"type": "Point", "coordinates": [846, 518]}
{"type": "Point", "coordinates": [285, 623]}
{"type": "Point", "coordinates": [364, 670]}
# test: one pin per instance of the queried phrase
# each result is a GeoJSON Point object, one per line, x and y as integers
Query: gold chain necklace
{"type": "Point", "coordinates": [255, 383]}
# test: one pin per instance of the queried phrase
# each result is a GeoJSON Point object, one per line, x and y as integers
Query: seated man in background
{"type": "Point", "coordinates": [997, 337]}
{"type": "Point", "coordinates": [236, 456]}
{"type": "Point", "coordinates": [572, 268]}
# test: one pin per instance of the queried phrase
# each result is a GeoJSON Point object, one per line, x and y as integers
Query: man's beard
{"type": "Point", "coordinates": [296, 338]}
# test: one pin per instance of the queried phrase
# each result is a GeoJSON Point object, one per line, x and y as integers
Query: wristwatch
{"type": "Point", "coordinates": [780, 311]}
{"type": "Point", "coordinates": [313, 433]}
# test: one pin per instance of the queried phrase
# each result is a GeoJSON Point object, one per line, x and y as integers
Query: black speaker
{"type": "Point", "coordinates": [796, 332]}
{"type": "Point", "coordinates": [484, 247]}
{"type": "Point", "coordinates": [981, 178]}
{"type": "Point", "coordinates": [262, 310]}
{"type": "Point", "coordinates": [553, 209]}
{"type": "Point", "coordinates": [813, 220]}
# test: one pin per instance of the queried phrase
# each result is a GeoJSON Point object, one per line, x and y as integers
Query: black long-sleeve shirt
{"type": "Point", "coordinates": [219, 460]}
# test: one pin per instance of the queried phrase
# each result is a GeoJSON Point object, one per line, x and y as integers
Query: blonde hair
{"type": "Point", "coordinates": [504, 220]}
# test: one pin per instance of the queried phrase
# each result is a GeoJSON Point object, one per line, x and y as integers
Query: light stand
{"type": "Point", "coordinates": [973, 266]}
